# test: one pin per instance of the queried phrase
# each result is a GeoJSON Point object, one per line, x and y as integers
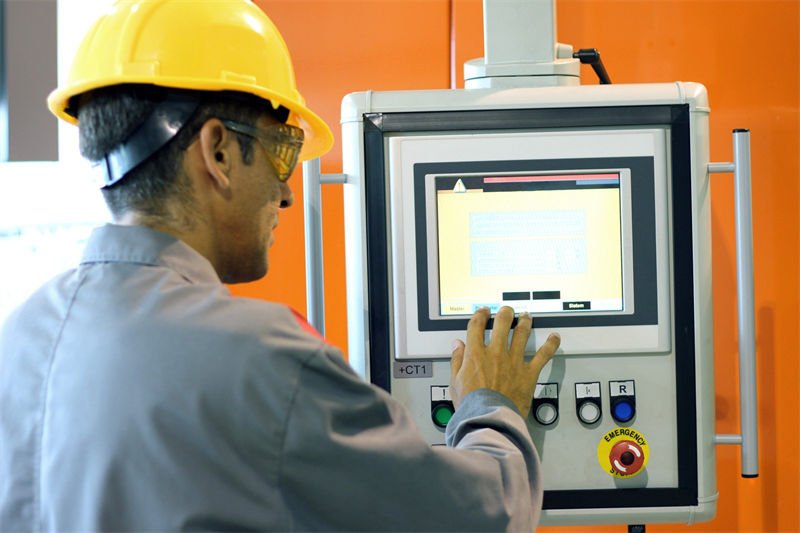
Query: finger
{"type": "Point", "coordinates": [545, 353]}
{"type": "Point", "coordinates": [476, 328]}
{"type": "Point", "coordinates": [521, 335]}
{"type": "Point", "coordinates": [456, 359]}
{"type": "Point", "coordinates": [502, 326]}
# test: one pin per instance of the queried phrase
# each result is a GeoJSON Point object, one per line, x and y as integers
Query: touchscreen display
{"type": "Point", "coordinates": [542, 243]}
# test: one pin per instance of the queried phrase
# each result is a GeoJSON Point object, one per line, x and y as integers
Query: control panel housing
{"type": "Point", "coordinates": [586, 206]}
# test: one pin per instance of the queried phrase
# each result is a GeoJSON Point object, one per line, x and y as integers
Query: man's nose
{"type": "Point", "coordinates": [287, 196]}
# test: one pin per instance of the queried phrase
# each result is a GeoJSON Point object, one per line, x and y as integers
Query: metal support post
{"type": "Point", "coordinates": [313, 179]}
{"type": "Point", "coordinates": [745, 302]}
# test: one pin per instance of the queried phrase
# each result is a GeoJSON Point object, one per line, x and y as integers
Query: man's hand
{"type": "Point", "coordinates": [499, 365]}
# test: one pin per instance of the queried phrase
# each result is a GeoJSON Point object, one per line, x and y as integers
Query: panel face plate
{"type": "Point", "coordinates": [520, 218]}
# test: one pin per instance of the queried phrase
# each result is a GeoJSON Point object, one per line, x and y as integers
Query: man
{"type": "Point", "coordinates": [137, 394]}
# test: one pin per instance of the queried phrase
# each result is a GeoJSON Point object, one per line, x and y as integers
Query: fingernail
{"type": "Point", "coordinates": [455, 345]}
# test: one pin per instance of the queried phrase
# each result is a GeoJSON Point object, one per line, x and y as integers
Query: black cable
{"type": "Point", "coordinates": [592, 57]}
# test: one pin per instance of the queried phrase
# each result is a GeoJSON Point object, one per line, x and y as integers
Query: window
{"type": "Point", "coordinates": [48, 207]}
{"type": "Point", "coordinates": [47, 211]}
{"type": "Point", "coordinates": [3, 77]}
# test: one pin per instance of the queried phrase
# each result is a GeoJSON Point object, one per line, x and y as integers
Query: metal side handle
{"type": "Point", "coordinates": [313, 179]}
{"type": "Point", "coordinates": [745, 302]}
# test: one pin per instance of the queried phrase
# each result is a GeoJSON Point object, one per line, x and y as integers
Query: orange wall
{"type": "Point", "coordinates": [745, 52]}
{"type": "Point", "coordinates": [340, 47]}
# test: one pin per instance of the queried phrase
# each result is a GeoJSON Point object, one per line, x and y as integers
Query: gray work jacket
{"type": "Point", "coordinates": [137, 394]}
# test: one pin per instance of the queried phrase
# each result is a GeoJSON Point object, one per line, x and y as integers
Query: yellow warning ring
{"type": "Point", "coordinates": [623, 452]}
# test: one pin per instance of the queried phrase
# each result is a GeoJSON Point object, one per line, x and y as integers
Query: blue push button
{"type": "Point", "coordinates": [623, 410]}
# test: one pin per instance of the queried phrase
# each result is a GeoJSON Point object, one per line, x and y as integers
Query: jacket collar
{"type": "Point", "coordinates": [144, 246]}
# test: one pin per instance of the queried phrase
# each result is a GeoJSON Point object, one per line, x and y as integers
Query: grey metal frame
{"type": "Point", "coordinates": [4, 139]}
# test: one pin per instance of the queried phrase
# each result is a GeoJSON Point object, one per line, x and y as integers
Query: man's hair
{"type": "Point", "coordinates": [108, 116]}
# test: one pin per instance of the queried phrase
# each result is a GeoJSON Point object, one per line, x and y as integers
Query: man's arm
{"type": "Point", "coordinates": [353, 459]}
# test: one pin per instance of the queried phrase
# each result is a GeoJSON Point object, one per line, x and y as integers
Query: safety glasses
{"type": "Point", "coordinates": [281, 143]}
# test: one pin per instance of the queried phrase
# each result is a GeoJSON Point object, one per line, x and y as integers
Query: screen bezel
{"type": "Point", "coordinates": [638, 225]}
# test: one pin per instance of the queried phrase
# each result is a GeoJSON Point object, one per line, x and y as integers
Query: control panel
{"type": "Point", "coordinates": [586, 207]}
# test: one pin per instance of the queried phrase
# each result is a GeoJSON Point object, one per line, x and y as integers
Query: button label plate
{"type": "Point", "coordinates": [415, 369]}
{"type": "Point", "coordinates": [440, 394]}
{"type": "Point", "coordinates": [546, 390]}
{"type": "Point", "coordinates": [587, 390]}
{"type": "Point", "coordinates": [621, 388]}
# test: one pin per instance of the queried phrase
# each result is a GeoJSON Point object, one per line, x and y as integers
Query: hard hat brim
{"type": "Point", "coordinates": [318, 136]}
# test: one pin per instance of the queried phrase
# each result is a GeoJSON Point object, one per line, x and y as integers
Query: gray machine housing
{"type": "Point", "coordinates": [668, 355]}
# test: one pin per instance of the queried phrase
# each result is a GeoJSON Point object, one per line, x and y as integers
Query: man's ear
{"type": "Point", "coordinates": [215, 146]}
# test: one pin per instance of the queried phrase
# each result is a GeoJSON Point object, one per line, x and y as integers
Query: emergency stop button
{"type": "Point", "coordinates": [626, 457]}
{"type": "Point", "coordinates": [623, 452]}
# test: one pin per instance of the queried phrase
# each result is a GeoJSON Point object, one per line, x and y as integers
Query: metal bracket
{"type": "Point", "coordinates": [313, 179]}
{"type": "Point", "coordinates": [520, 48]}
{"type": "Point", "coordinates": [748, 438]}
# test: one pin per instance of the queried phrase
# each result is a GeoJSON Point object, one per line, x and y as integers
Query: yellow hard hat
{"type": "Point", "coordinates": [209, 45]}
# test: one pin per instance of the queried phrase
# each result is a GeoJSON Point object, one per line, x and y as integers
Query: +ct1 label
{"type": "Point", "coordinates": [412, 369]}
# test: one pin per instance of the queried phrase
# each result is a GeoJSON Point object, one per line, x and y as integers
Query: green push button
{"type": "Point", "coordinates": [442, 413]}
